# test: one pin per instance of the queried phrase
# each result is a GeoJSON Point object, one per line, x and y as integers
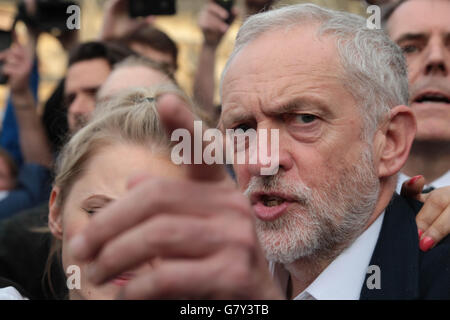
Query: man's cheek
{"type": "Point", "coordinates": [242, 176]}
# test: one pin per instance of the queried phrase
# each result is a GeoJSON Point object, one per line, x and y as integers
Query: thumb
{"type": "Point", "coordinates": [413, 187]}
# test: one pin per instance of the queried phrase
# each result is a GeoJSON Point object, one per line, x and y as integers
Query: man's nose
{"type": "Point", "coordinates": [437, 59]}
{"type": "Point", "coordinates": [275, 156]}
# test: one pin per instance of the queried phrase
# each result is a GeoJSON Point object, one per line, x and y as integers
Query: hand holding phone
{"type": "Point", "coordinates": [227, 5]}
{"type": "Point", "coordinates": [5, 43]}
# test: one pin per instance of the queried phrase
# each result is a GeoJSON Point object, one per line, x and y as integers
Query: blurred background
{"type": "Point", "coordinates": [182, 28]}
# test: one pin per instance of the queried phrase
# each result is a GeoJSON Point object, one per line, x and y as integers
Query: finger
{"type": "Point", "coordinates": [9, 70]}
{"type": "Point", "coordinates": [4, 54]}
{"type": "Point", "coordinates": [170, 280]}
{"type": "Point", "coordinates": [435, 205]}
{"type": "Point", "coordinates": [413, 187]}
{"type": "Point", "coordinates": [217, 25]}
{"type": "Point", "coordinates": [148, 199]}
{"type": "Point", "coordinates": [216, 10]}
{"type": "Point", "coordinates": [175, 114]}
{"type": "Point", "coordinates": [439, 229]}
{"type": "Point", "coordinates": [150, 20]}
{"type": "Point", "coordinates": [165, 236]}
{"type": "Point", "coordinates": [15, 60]}
{"type": "Point", "coordinates": [119, 5]}
{"type": "Point", "coordinates": [216, 277]}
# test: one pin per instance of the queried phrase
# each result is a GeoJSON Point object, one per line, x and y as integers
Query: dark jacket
{"type": "Point", "coordinates": [406, 271]}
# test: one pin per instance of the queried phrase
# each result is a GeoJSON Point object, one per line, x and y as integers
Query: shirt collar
{"type": "Point", "coordinates": [3, 195]}
{"type": "Point", "coordinates": [344, 277]}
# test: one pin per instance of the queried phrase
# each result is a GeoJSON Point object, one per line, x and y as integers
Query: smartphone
{"type": "Point", "coordinates": [143, 8]}
{"type": "Point", "coordinates": [227, 5]}
{"type": "Point", "coordinates": [51, 14]}
{"type": "Point", "coordinates": [5, 43]}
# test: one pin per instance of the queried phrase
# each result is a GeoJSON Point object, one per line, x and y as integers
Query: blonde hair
{"type": "Point", "coordinates": [129, 117]}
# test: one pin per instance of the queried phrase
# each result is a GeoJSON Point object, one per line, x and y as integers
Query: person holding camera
{"type": "Point", "coordinates": [215, 20]}
{"type": "Point", "coordinates": [34, 175]}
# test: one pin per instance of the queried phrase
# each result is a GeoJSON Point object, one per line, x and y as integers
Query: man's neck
{"type": "Point", "coordinates": [304, 271]}
{"type": "Point", "coordinates": [430, 159]}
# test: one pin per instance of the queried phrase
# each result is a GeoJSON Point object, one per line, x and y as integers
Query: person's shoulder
{"type": "Point", "coordinates": [10, 293]}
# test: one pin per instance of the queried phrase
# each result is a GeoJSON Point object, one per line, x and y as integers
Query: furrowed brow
{"type": "Point", "coordinates": [233, 117]}
{"type": "Point", "coordinates": [412, 37]}
{"type": "Point", "coordinates": [298, 105]}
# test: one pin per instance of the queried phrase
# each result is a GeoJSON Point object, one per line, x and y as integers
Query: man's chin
{"type": "Point", "coordinates": [286, 244]}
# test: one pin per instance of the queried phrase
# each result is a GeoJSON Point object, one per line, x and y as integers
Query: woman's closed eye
{"type": "Point", "coordinates": [95, 203]}
{"type": "Point", "coordinates": [91, 211]}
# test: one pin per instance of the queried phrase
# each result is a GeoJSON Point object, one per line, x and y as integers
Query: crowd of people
{"type": "Point", "coordinates": [362, 179]}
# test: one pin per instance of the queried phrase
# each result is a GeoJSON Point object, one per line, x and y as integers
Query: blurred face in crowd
{"type": "Point", "coordinates": [327, 176]}
{"type": "Point", "coordinates": [131, 76]}
{"type": "Point", "coordinates": [94, 190]}
{"type": "Point", "coordinates": [422, 29]}
{"type": "Point", "coordinates": [6, 176]}
{"type": "Point", "coordinates": [83, 80]}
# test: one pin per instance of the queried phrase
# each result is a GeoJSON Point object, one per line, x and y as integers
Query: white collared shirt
{"type": "Point", "coordinates": [344, 277]}
{"type": "Point", "coordinates": [3, 195]}
{"type": "Point", "coordinates": [10, 293]}
{"type": "Point", "coordinates": [442, 181]}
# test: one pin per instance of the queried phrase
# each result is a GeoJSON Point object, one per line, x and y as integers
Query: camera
{"type": "Point", "coordinates": [143, 8]}
{"type": "Point", "coordinates": [5, 43]}
{"type": "Point", "coordinates": [50, 15]}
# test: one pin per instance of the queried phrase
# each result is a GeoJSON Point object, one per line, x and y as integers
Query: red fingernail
{"type": "Point", "coordinates": [414, 179]}
{"type": "Point", "coordinates": [420, 233]}
{"type": "Point", "coordinates": [426, 243]}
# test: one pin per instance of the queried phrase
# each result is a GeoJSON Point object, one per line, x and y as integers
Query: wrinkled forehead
{"type": "Point", "coordinates": [282, 61]}
{"type": "Point", "coordinates": [419, 16]}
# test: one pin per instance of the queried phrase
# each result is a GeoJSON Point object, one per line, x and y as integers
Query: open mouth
{"type": "Point", "coordinates": [271, 201]}
{"type": "Point", "coordinates": [270, 206]}
{"type": "Point", "coordinates": [432, 97]}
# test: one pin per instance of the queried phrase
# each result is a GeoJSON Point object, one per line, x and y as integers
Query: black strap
{"type": "Point", "coordinates": [428, 189]}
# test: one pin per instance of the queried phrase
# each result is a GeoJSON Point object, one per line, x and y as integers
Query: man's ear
{"type": "Point", "coordinates": [398, 136]}
{"type": "Point", "coordinates": [55, 214]}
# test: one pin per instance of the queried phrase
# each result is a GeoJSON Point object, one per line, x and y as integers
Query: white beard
{"type": "Point", "coordinates": [324, 219]}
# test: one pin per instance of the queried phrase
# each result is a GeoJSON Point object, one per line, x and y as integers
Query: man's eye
{"type": "Point", "coordinates": [244, 127]}
{"type": "Point", "coordinates": [305, 118]}
{"type": "Point", "coordinates": [410, 49]}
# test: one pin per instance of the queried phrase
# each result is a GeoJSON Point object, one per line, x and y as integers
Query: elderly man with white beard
{"type": "Point", "coordinates": [336, 92]}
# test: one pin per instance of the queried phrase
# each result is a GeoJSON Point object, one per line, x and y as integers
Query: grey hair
{"type": "Point", "coordinates": [375, 70]}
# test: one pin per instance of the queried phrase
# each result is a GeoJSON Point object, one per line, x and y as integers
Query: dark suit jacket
{"type": "Point", "coordinates": [406, 271]}
{"type": "Point", "coordinates": [24, 253]}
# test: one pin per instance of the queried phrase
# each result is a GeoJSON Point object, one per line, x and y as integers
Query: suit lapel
{"type": "Point", "coordinates": [397, 255]}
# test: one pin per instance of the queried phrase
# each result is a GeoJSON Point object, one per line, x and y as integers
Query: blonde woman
{"type": "Point", "coordinates": [124, 138]}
